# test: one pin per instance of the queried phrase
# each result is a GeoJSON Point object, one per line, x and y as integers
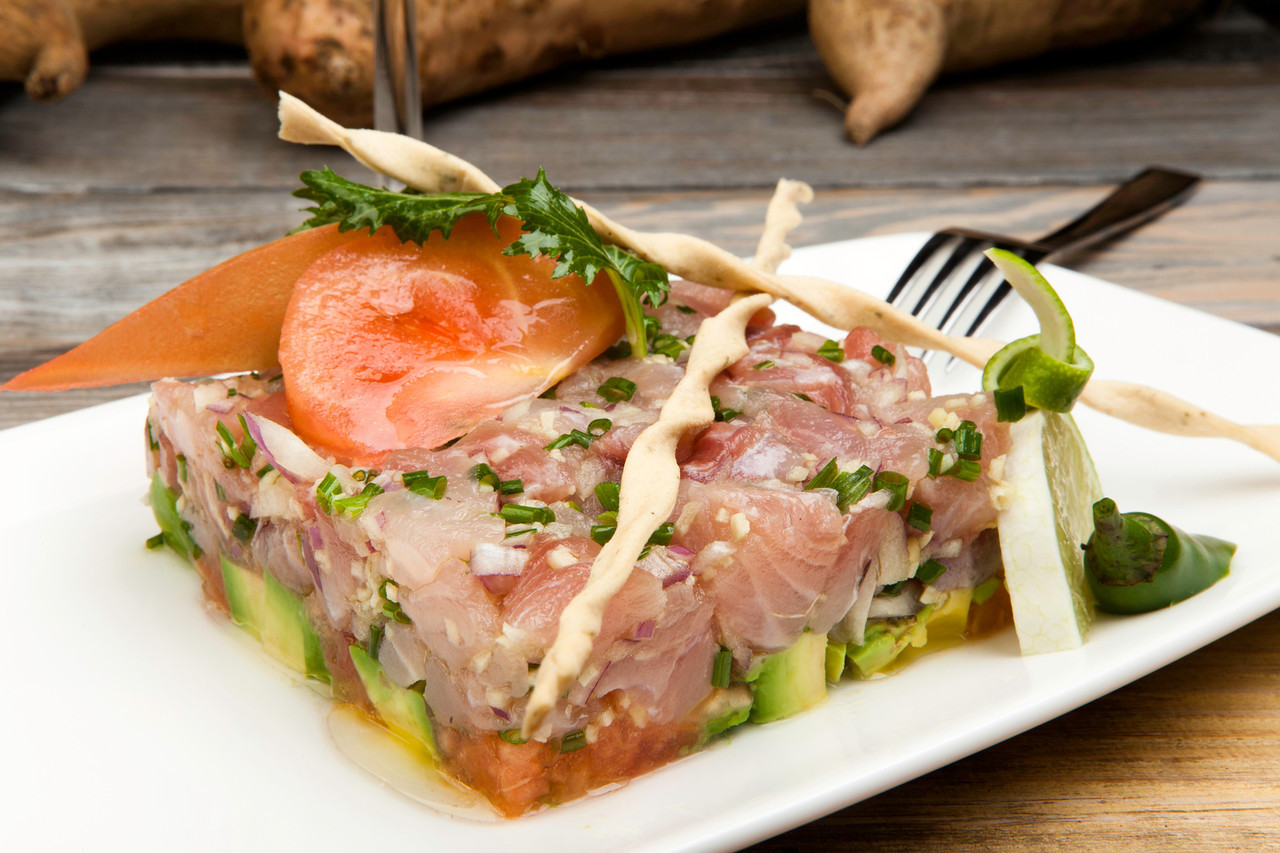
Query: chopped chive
{"type": "Point", "coordinates": [802, 396]}
{"type": "Point", "coordinates": [231, 392]}
{"type": "Point", "coordinates": [511, 534]}
{"type": "Point", "coordinates": [721, 669]}
{"type": "Point", "coordinates": [584, 404]}
{"type": "Point", "coordinates": [662, 536]}
{"type": "Point", "coordinates": [244, 527]}
{"type": "Point", "coordinates": [883, 356]}
{"type": "Point", "coordinates": [602, 533]}
{"type": "Point", "coordinates": [520, 514]}
{"type": "Point", "coordinates": [235, 454]}
{"type": "Point", "coordinates": [264, 470]}
{"type": "Point", "coordinates": [617, 389]}
{"type": "Point", "coordinates": [375, 640]}
{"type": "Point", "coordinates": [1011, 405]}
{"type": "Point", "coordinates": [831, 351]}
{"type": "Point", "coordinates": [156, 541]}
{"type": "Point", "coordinates": [622, 349]}
{"type": "Point", "coordinates": [573, 741]}
{"type": "Point", "coordinates": [685, 309]}
{"type": "Point", "coordinates": [721, 414]}
{"type": "Point", "coordinates": [968, 441]}
{"type": "Point", "coordinates": [929, 571]}
{"type": "Point", "coordinates": [218, 490]}
{"type": "Point", "coordinates": [944, 435]}
{"type": "Point", "coordinates": [850, 487]}
{"type": "Point", "coordinates": [422, 483]}
{"type": "Point", "coordinates": [893, 588]}
{"type": "Point", "coordinates": [326, 490]}
{"type": "Point", "coordinates": [419, 686]}
{"type": "Point", "coordinates": [513, 737]}
{"type": "Point", "coordinates": [669, 345]}
{"type": "Point", "coordinates": [151, 438]}
{"type": "Point", "coordinates": [763, 365]}
{"type": "Point", "coordinates": [486, 476]}
{"type": "Point", "coordinates": [896, 485]}
{"type": "Point", "coordinates": [965, 469]}
{"type": "Point", "coordinates": [353, 505]}
{"type": "Point", "coordinates": [182, 467]}
{"type": "Point", "coordinates": [935, 461]}
{"type": "Point", "coordinates": [574, 505]}
{"type": "Point", "coordinates": [549, 394]}
{"type": "Point", "coordinates": [576, 437]}
{"type": "Point", "coordinates": [607, 493]}
{"type": "Point", "coordinates": [920, 516]}
{"type": "Point", "coordinates": [391, 609]}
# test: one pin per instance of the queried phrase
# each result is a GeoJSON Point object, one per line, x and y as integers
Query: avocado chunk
{"type": "Point", "coordinates": [246, 597]}
{"type": "Point", "coordinates": [725, 708]}
{"type": "Point", "coordinates": [175, 531]}
{"type": "Point", "coordinates": [403, 710]}
{"type": "Point", "coordinates": [892, 643]}
{"type": "Point", "coordinates": [790, 681]}
{"type": "Point", "coordinates": [288, 634]}
{"type": "Point", "coordinates": [266, 609]}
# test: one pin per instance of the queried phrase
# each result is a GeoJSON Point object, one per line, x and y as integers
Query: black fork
{"type": "Point", "coordinates": [1142, 198]}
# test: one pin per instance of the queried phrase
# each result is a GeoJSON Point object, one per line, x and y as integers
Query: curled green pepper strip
{"type": "Point", "coordinates": [1136, 562]}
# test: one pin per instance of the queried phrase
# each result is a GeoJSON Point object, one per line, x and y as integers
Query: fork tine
{"type": "Point", "coordinates": [984, 269]}
{"type": "Point", "coordinates": [962, 250]}
{"type": "Point", "coordinates": [931, 245]}
{"type": "Point", "coordinates": [1002, 290]}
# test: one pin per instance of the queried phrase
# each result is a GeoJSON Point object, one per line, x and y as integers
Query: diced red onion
{"type": "Point", "coordinates": [645, 629]}
{"type": "Point", "coordinates": [680, 551]}
{"type": "Point", "coordinates": [287, 453]}
{"type": "Point", "coordinates": [500, 714]}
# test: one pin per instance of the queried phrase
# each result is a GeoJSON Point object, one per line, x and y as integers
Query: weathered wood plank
{"type": "Point", "coordinates": [1207, 100]}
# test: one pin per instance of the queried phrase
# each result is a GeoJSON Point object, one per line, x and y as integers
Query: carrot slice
{"type": "Point", "coordinates": [389, 345]}
{"type": "Point", "coordinates": [225, 319]}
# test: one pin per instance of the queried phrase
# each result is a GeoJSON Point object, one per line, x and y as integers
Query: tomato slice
{"type": "Point", "coordinates": [225, 319]}
{"type": "Point", "coordinates": [388, 345]}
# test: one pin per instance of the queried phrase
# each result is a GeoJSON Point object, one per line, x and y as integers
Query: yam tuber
{"type": "Point", "coordinates": [322, 52]}
{"type": "Point", "coordinates": [886, 53]}
{"type": "Point", "coordinates": [46, 43]}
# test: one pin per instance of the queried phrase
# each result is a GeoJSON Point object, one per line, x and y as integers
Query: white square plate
{"type": "Point", "coordinates": [133, 719]}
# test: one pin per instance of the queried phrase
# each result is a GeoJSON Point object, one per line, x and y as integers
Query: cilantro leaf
{"type": "Point", "coordinates": [554, 226]}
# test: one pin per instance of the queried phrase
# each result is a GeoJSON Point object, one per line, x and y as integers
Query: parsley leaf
{"type": "Point", "coordinates": [554, 226]}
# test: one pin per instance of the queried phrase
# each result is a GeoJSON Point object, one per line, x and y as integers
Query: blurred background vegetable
{"type": "Point", "coordinates": [883, 54]}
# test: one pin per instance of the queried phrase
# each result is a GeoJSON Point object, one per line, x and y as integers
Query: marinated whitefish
{"type": "Point", "coordinates": [429, 588]}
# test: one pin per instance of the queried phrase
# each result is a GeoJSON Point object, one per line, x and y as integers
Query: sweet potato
{"type": "Point", "coordinates": [886, 53]}
{"type": "Point", "coordinates": [322, 50]}
{"type": "Point", "coordinates": [45, 43]}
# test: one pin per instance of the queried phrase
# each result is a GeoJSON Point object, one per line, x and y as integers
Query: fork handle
{"type": "Point", "coordinates": [1144, 197]}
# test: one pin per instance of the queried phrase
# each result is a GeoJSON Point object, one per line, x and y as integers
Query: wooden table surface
{"type": "Point", "coordinates": [166, 162]}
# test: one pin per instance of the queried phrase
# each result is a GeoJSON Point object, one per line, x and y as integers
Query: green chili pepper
{"type": "Point", "coordinates": [1136, 562]}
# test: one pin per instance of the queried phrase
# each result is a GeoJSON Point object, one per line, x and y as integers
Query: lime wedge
{"type": "Point", "coordinates": [1051, 370]}
{"type": "Point", "coordinates": [1057, 332]}
{"type": "Point", "coordinates": [1051, 488]}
